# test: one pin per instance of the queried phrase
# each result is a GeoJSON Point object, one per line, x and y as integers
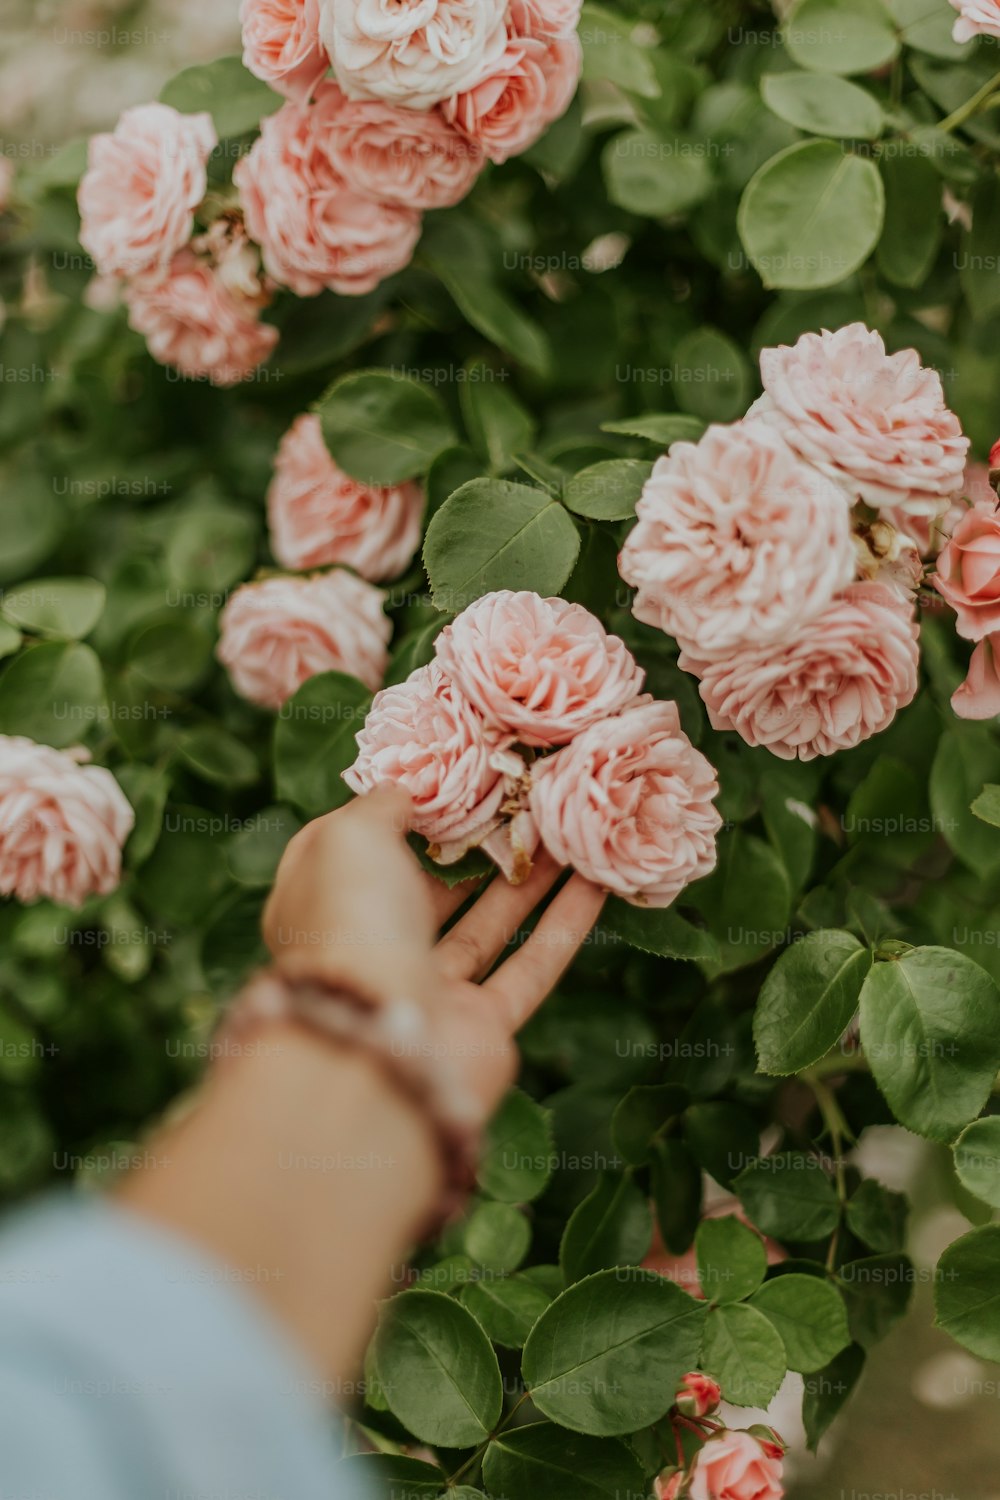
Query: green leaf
{"type": "Point", "coordinates": [611, 56]}
{"type": "Point", "coordinates": [506, 1308]}
{"type": "Point", "coordinates": [607, 491]}
{"type": "Point", "coordinates": [147, 788]}
{"type": "Point", "coordinates": [315, 741]}
{"type": "Point", "coordinates": [967, 758]}
{"type": "Point", "coordinates": [437, 1370]}
{"type": "Point", "coordinates": [808, 999]}
{"type": "Point", "coordinates": [788, 1195]}
{"type": "Point", "coordinates": [877, 1290]}
{"type": "Point", "coordinates": [496, 1236]}
{"type": "Point", "coordinates": [494, 534]}
{"type": "Point", "coordinates": [746, 902]}
{"type": "Point", "coordinates": [10, 639]}
{"type": "Point", "coordinates": [826, 1392]}
{"type": "Point", "coordinates": [676, 1187]}
{"type": "Point", "coordinates": [661, 931]}
{"type": "Point", "coordinates": [711, 1131]}
{"type": "Point", "coordinates": [210, 548]}
{"type": "Point", "coordinates": [977, 1159]}
{"type": "Point", "coordinates": [810, 1316]}
{"type": "Point", "coordinates": [611, 1227]}
{"type": "Point", "coordinates": [811, 215]}
{"type": "Point", "coordinates": [217, 756]}
{"type": "Point", "coordinates": [877, 1216]}
{"type": "Point", "coordinates": [732, 1261]}
{"type": "Point", "coordinates": [172, 653]}
{"type": "Point", "coordinates": [516, 1159]}
{"type": "Point", "coordinates": [650, 175]}
{"type": "Point", "coordinates": [744, 1353]}
{"type": "Point", "coordinates": [391, 1476]}
{"type": "Point", "coordinates": [236, 100]}
{"type": "Point", "coordinates": [254, 852]}
{"type": "Point", "coordinates": [967, 1291]}
{"type": "Point", "coordinates": [841, 36]}
{"type": "Point", "coordinates": [382, 427]}
{"type": "Point", "coordinates": [186, 873]}
{"type": "Point", "coordinates": [607, 1355]}
{"type": "Point", "coordinates": [987, 805]}
{"type": "Point", "coordinates": [978, 257]}
{"type": "Point", "coordinates": [663, 428]}
{"type": "Point", "coordinates": [927, 26]}
{"type": "Point", "coordinates": [497, 424]}
{"type": "Point", "coordinates": [711, 375]}
{"type": "Point", "coordinates": [52, 693]}
{"type": "Point", "coordinates": [65, 607]}
{"type": "Point", "coordinates": [642, 1115]}
{"type": "Point", "coordinates": [930, 1029]}
{"type": "Point", "coordinates": [914, 222]}
{"type": "Point", "coordinates": [545, 1460]}
{"type": "Point", "coordinates": [823, 105]}
{"type": "Point", "coordinates": [30, 523]}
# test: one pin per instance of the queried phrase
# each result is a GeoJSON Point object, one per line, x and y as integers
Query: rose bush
{"type": "Point", "coordinates": [609, 467]}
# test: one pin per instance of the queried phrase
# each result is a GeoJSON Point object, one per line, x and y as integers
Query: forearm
{"type": "Point", "coordinates": [306, 1168]}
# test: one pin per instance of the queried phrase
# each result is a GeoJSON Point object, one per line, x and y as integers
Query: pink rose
{"type": "Point", "coordinates": [281, 44]}
{"type": "Point", "coordinates": [979, 695]}
{"type": "Point", "coordinates": [667, 1486]}
{"type": "Point", "coordinates": [738, 541]}
{"type": "Point", "coordinates": [194, 323]}
{"type": "Point", "coordinates": [412, 52]}
{"type": "Point", "coordinates": [629, 805]}
{"type": "Point", "coordinates": [539, 669]}
{"type": "Point", "coordinates": [408, 157]}
{"type": "Point", "coordinates": [697, 1395]}
{"type": "Point", "coordinates": [314, 231]}
{"type": "Point", "coordinates": [968, 571]}
{"type": "Point", "coordinates": [276, 634]}
{"type": "Point", "coordinates": [62, 824]}
{"type": "Point", "coordinates": [545, 18]}
{"type": "Point", "coordinates": [530, 88]}
{"type": "Point", "coordinates": [874, 422]}
{"type": "Point", "coordinates": [734, 1466]}
{"type": "Point", "coordinates": [143, 183]}
{"type": "Point", "coordinates": [424, 736]}
{"type": "Point", "coordinates": [841, 679]}
{"type": "Point", "coordinates": [976, 18]}
{"type": "Point", "coordinates": [320, 515]}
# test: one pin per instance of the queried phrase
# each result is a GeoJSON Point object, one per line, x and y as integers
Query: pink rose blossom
{"type": "Point", "coordinates": [738, 541]}
{"type": "Point", "coordinates": [281, 44]}
{"type": "Point", "coordinates": [529, 89]}
{"type": "Point", "coordinates": [840, 679]}
{"type": "Point", "coordinates": [313, 230]}
{"type": "Point", "coordinates": [412, 52]}
{"type": "Point", "coordinates": [545, 18]}
{"type": "Point", "coordinates": [979, 695]}
{"type": "Point", "coordinates": [412, 158]}
{"type": "Point", "coordinates": [423, 736]}
{"type": "Point", "coordinates": [320, 515]}
{"type": "Point", "coordinates": [697, 1395]}
{"type": "Point", "coordinates": [62, 824]}
{"type": "Point", "coordinates": [143, 183]}
{"type": "Point", "coordinates": [734, 1466]}
{"type": "Point", "coordinates": [539, 669]}
{"type": "Point", "coordinates": [276, 634]}
{"type": "Point", "coordinates": [668, 1485]}
{"type": "Point", "coordinates": [629, 805]}
{"type": "Point", "coordinates": [976, 18]}
{"type": "Point", "coordinates": [874, 422]}
{"type": "Point", "coordinates": [194, 323]}
{"type": "Point", "coordinates": [968, 571]}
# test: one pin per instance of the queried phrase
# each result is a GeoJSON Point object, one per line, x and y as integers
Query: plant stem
{"type": "Point", "coordinates": [836, 1126]}
{"type": "Point", "coordinates": [483, 1446]}
{"type": "Point", "coordinates": [959, 116]}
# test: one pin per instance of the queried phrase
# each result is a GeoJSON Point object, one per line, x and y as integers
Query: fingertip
{"type": "Point", "coordinates": [393, 806]}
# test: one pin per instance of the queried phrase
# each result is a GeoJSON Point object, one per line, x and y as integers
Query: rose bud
{"type": "Point", "coordinates": [772, 1443]}
{"type": "Point", "coordinates": [995, 466]}
{"type": "Point", "coordinates": [668, 1484]}
{"type": "Point", "coordinates": [697, 1395]}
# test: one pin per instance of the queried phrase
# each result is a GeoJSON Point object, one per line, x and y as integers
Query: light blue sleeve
{"type": "Point", "coordinates": [134, 1368]}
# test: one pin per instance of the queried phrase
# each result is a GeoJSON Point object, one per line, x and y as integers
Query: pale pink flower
{"type": "Point", "coordinates": [141, 188]}
{"type": "Point", "coordinates": [192, 322]}
{"type": "Point", "coordinates": [629, 805]}
{"type": "Point", "coordinates": [281, 44]}
{"type": "Point", "coordinates": [735, 1466]}
{"type": "Point", "coordinates": [276, 634]}
{"type": "Point", "coordinates": [668, 1486]}
{"type": "Point", "coordinates": [424, 736]}
{"type": "Point", "coordinates": [539, 669]}
{"type": "Point", "coordinates": [979, 695]}
{"type": "Point", "coordinates": [876, 423]}
{"type": "Point", "coordinates": [320, 515]}
{"type": "Point", "coordinates": [412, 52]}
{"type": "Point", "coordinates": [976, 18]}
{"type": "Point", "coordinates": [531, 88]}
{"type": "Point", "coordinates": [839, 680]}
{"type": "Point", "coordinates": [412, 158]}
{"type": "Point", "coordinates": [968, 571]}
{"type": "Point", "coordinates": [697, 1395]}
{"type": "Point", "coordinates": [313, 230]}
{"type": "Point", "coordinates": [738, 541]}
{"type": "Point", "coordinates": [545, 18]}
{"type": "Point", "coordinates": [63, 824]}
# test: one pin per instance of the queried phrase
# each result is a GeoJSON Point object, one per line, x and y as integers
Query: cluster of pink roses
{"type": "Point", "coordinates": [783, 552]}
{"type": "Point", "coordinates": [63, 824]}
{"type": "Point", "coordinates": [624, 797]}
{"type": "Point", "coordinates": [729, 1465]}
{"type": "Point", "coordinates": [968, 577]}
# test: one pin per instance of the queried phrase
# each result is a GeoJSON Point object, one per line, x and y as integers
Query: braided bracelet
{"type": "Point", "coordinates": [400, 1037]}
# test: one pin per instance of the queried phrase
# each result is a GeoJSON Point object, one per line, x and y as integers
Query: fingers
{"type": "Point", "coordinates": [446, 902]}
{"type": "Point", "coordinates": [522, 983]}
{"type": "Point", "coordinates": [476, 941]}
